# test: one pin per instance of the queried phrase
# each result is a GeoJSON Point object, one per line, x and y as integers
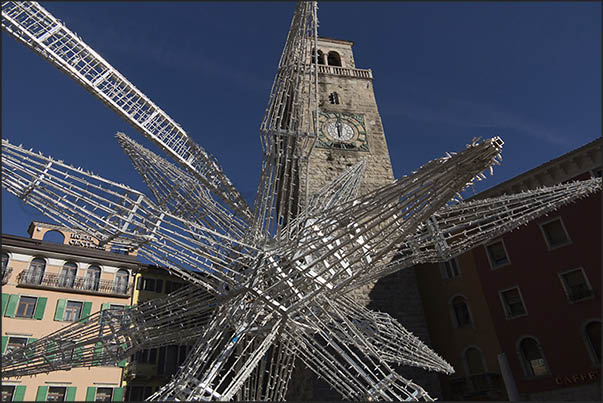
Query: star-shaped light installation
{"type": "Point", "coordinates": [268, 284]}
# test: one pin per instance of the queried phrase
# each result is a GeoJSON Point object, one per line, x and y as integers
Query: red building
{"type": "Point", "coordinates": [542, 287]}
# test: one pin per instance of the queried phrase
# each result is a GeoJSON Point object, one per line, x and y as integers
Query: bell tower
{"type": "Point", "coordinates": [349, 124]}
{"type": "Point", "coordinates": [350, 130]}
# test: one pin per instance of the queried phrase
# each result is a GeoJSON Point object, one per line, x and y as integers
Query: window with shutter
{"type": "Point", "coordinates": [497, 254]}
{"type": "Point", "coordinates": [513, 303]}
{"type": "Point", "coordinates": [15, 343]}
{"type": "Point", "coordinates": [104, 394]}
{"type": "Point", "coordinates": [56, 393]}
{"type": "Point", "coordinates": [555, 234]}
{"type": "Point", "coordinates": [26, 306]}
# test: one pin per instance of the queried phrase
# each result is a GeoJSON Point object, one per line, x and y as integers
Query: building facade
{"type": "Point", "coordinates": [530, 298]}
{"type": "Point", "coordinates": [48, 285]}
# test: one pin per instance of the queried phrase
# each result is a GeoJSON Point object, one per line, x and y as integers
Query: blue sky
{"type": "Point", "coordinates": [445, 72]}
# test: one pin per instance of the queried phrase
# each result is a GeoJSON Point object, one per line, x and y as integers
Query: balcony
{"type": "Point", "coordinates": [85, 285]}
{"type": "Point", "coordinates": [480, 386]}
{"type": "Point", "coordinates": [344, 71]}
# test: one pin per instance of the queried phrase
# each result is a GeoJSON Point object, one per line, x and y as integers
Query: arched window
{"type": "Point", "coordinates": [35, 273]}
{"type": "Point", "coordinates": [92, 281]}
{"type": "Point", "coordinates": [592, 333]}
{"type": "Point", "coordinates": [121, 281]}
{"type": "Point", "coordinates": [333, 59]}
{"type": "Point", "coordinates": [532, 357]}
{"type": "Point", "coordinates": [54, 236]}
{"type": "Point", "coordinates": [475, 362]}
{"type": "Point", "coordinates": [460, 312]}
{"type": "Point", "coordinates": [68, 273]}
{"type": "Point", "coordinates": [321, 57]}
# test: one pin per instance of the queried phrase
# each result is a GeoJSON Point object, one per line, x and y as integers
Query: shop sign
{"type": "Point", "coordinates": [579, 378]}
{"type": "Point", "coordinates": [83, 240]}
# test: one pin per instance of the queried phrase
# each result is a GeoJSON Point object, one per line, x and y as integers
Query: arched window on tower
{"type": "Point", "coordinates": [121, 281]}
{"type": "Point", "coordinates": [92, 281]}
{"type": "Point", "coordinates": [532, 357]}
{"type": "Point", "coordinates": [460, 312]}
{"type": "Point", "coordinates": [592, 334]}
{"type": "Point", "coordinates": [67, 276]}
{"type": "Point", "coordinates": [35, 273]}
{"type": "Point", "coordinates": [333, 59]}
{"type": "Point", "coordinates": [54, 236]}
{"type": "Point", "coordinates": [321, 57]}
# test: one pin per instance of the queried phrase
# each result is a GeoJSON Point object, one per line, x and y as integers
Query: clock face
{"type": "Point", "coordinates": [340, 130]}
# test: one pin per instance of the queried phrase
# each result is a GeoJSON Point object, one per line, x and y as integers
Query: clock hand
{"type": "Point", "coordinates": [339, 128]}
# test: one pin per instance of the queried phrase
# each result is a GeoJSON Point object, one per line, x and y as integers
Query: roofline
{"type": "Point", "coordinates": [541, 167]}
{"type": "Point", "coordinates": [24, 242]}
{"type": "Point", "coordinates": [324, 38]}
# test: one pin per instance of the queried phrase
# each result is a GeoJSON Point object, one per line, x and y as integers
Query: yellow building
{"type": "Point", "coordinates": [48, 285]}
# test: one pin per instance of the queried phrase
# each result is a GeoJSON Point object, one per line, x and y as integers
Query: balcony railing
{"type": "Point", "coordinates": [344, 71]}
{"type": "Point", "coordinates": [6, 271]}
{"type": "Point", "coordinates": [78, 284]}
{"type": "Point", "coordinates": [487, 383]}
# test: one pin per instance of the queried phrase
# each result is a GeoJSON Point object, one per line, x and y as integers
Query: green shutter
{"type": "Point", "coordinates": [118, 394]}
{"type": "Point", "coordinates": [42, 393]}
{"type": "Point", "coordinates": [128, 306]}
{"type": "Point", "coordinates": [5, 298]}
{"type": "Point", "coordinates": [19, 393]}
{"type": "Point", "coordinates": [58, 315]}
{"type": "Point", "coordinates": [105, 306]}
{"type": "Point", "coordinates": [4, 343]}
{"type": "Point", "coordinates": [86, 311]}
{"type": "Point", "coordinates": [70, 395]}
{"type": "Point", "coordinates": [11, 307]}
{"type": "Point", "coordinates": [91, 393]}
{"type": "Point", "coordinates": [40, 306]}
